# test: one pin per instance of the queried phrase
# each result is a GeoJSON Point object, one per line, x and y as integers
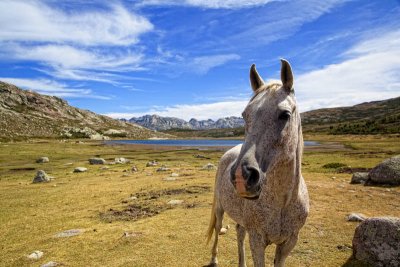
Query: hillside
{"type": "Point", "coordinates": [155, 122]}
{"type": "Point", "coordinates": [365, 118]}
{"type": "Point", "coordinates": [26, 114]}
{"type": "Point", "coordinates": [377, 117]}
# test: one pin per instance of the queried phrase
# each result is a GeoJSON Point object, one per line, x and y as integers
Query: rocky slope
{"type": "Point", "coordinates": [365, 118]}
{"type": "Point", "coordinates": [26, 114]}
{"type": "Point", "coordinates": [159, 123]}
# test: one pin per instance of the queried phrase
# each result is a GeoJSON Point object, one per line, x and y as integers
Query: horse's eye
{"type": "Point", "coordinates": [285, 115]}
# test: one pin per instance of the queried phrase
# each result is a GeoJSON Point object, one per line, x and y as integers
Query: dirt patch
{"type": "Point", "coordinates": [148, 204]}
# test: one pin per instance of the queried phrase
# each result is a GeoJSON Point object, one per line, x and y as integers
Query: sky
{"type": "Point", "coordinates": [191, 58]}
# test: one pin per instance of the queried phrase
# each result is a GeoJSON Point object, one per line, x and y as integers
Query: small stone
{"type": "Point", "coordinates": [175, 202]}
{"type": "Point", "coordinates": [121, 160]}
{"type": "Point", "coordinates": [132, 234]}
{"type": "Point", "coordinates": [80, 169]}
{"type": "Point", "coordinates": [209, 167]}
{"type": "Point", "coordinates": [104, 168]}
{"type": "Point", "coordinates": [35, 255]}
{"type": "Point", "coordinates": [42, 160]}
{"type": "Point", "coordinates": [97, 161]}
{"type": "Point", "coordinates": [343, 247]}
{"type": "Point", "coordinates": [41, 176]}
{"type": "Point", "coordinates": [152, 163]}
{"type": "Point", "coordinates": [223, 231]}
{"type": "Point", "coordinates": [68, 233]}
{"type": "Point", "coordinates": [174, 174]}
{"type": "Point", "coordinates": [50, 264]}
{"type": "Point", "coordinates": [356, 217]}
{"type": "Point", "coordinates": [134, 169]}
{"type": "Point", "coordinates": [133, 198]}
{"type": "Point", "coordinates": [162, 169]}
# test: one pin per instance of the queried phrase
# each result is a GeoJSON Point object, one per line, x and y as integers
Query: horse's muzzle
{"type": "Point", "coordinates": [246, 180]}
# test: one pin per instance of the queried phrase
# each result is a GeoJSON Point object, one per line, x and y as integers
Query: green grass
{"type": "Point", "coordinates": [31, 214]}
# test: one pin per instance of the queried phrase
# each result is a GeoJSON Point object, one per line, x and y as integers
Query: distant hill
{"type": "Point", "coordinates": [159, 123]}
{"type": "Point", "coordinates": [377, 117]}
{"type": "Point", "coordinates": [26, 114]}
{"type": "Point", "coordinates": [365, 118]}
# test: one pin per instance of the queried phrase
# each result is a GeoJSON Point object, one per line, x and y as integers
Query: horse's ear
{"type": "Point", "coordinates": [286, 75]}
{"type": "Point", "coordinates": [255, 79]}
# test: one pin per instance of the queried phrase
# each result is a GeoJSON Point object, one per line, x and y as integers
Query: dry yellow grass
{"type": "Point", "coordinates": [31, 214]}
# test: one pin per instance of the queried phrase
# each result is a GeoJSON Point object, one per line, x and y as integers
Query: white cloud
{"type": "Point", "coordinates": [37, 22]}
{"type": "Point", "coordinates": [49, 87]}
{"type": "Point", "coordinates": [370, 71]}
{"type": "Point", "coordinates": [203, 64]}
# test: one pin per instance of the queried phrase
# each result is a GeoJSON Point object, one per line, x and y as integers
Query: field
{"type": "Point", "coordinates": [126, 220]}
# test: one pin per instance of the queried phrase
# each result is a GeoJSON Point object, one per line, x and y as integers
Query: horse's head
{"type": "Point", "coordinates": [273, 133]}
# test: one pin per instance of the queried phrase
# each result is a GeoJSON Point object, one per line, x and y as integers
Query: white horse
{"type": "Point", "coordinates": [259, 184]}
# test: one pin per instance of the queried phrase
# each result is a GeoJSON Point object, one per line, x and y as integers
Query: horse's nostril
{"type": "Point", "coordinates": [252, 175]}
{"type": "Point", "coordinates": [253, 178]}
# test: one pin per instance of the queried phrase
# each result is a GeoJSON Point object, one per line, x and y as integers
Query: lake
{"type": "Point", "coordinates": [190, 142]}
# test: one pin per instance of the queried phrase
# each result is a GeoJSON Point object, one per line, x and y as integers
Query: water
{"type": "Point", "coordinates": [190, 142]}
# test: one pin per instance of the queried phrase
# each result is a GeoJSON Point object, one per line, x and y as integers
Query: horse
{"type": "Point", "coordinates": [259, 183]}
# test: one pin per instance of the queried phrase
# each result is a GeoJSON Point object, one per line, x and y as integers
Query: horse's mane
{"type": "Point", "coordinates": [272, 86]}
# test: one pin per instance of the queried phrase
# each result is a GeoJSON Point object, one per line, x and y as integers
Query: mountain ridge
{"type": "Point", "coordinates": [27, 114]}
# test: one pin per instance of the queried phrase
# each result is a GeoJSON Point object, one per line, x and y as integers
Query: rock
{"type": "Point", "coordinates": [376, 242]}
{"type": "Point", "coordinates": [42, 160]}
{"type": "Point", "coordinates": [359, 178]}
{"type": "Point", "coordinates": [68, 233]}
{"type": "Point", "coordinates": [223, 231]}
{"type": "Point", "coordinates": [152, 163]}
{"type": "Point", "coordinates": [174, 174]}
{"type": "Point", "coordinates": [50, 264]}
{"type": "Point", "coordinates": [387, 172]}
{"type": "Point", "coordinates": [175, 202]}
{"type": "Point", "coordinates": [209, 167]}
{"type": "Point", "coordinates": [356, 217]}
{"type": "Point", "coordinates": [35, 255]}
{"type": "Point", "coordinates": [121, 160]}
{"type": "Point", "coordinates": [80, 169]}
{"type": "Point", "coordinates": [98, 136]}
{"type": "Point", "coordinates": [41, 176]}
{"type": "Point", "coordinates": [343, 247]}
{"type": "Point", "coordinates": [96, 161]}
{"type": "Point", "coordinates": [115, 133]}
{"type": "Point", "coordinates": [163, 169]}
{"type": "Point", "coordinates": [104, 168]}
{"type": "Point", "coordinates": [134, 169]}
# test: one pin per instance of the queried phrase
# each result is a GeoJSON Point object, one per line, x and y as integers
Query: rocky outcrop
{"type": "Point", "coordinates": [40, 177]}
{"type": "Point", "coordinates": [377, 242]}
{"type": "Point", "coordinates": [25, 114]}
{"type": "Point", "coordinates": [387, 172]}
{"type": "Point", "coordinates": [159, 123]}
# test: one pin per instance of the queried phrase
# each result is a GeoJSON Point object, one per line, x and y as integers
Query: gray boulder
{"type": "Point", "coordinates": [376, 242]}
{"type": "Point", "coordinates": [359, 178]}
{"type": "Point", "coordinates": [387, 172]}
{"type": "Point", "coordinates": [209, 167]}
{"type": "Point", "coordinates": [42, 160]}
{"type": "Point", "coordinates": [41, 176]}
{"type": "Point", "coordinates": [97, 161]}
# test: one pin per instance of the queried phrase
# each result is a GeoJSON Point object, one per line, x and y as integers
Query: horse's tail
{"type": "Point", "coordinates": [213, 220]}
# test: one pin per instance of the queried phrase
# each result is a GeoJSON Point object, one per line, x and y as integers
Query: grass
{"type": "Point", "coordinates": [31, 214]}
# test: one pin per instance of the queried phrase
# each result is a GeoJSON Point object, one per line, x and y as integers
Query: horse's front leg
{"type": "Point", "coordinates": [241, 234]}
{"type": "Point", "coordinates": [257, 246]}
{"type": "Point", "coordinates": [283, 250]}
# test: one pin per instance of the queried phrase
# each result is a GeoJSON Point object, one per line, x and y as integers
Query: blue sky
{"type": "Point", "coordinates": [191, 58]}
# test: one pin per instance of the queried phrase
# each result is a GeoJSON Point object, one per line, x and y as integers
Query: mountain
{"type": "Point", "coordinates": [377, 117]}
{"type": "Point", "coordinates": [365, 118]}
{"type": "Point", "coordinates": [26, 114]}
{"type": "Point", "coordinates": [159, 123]}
